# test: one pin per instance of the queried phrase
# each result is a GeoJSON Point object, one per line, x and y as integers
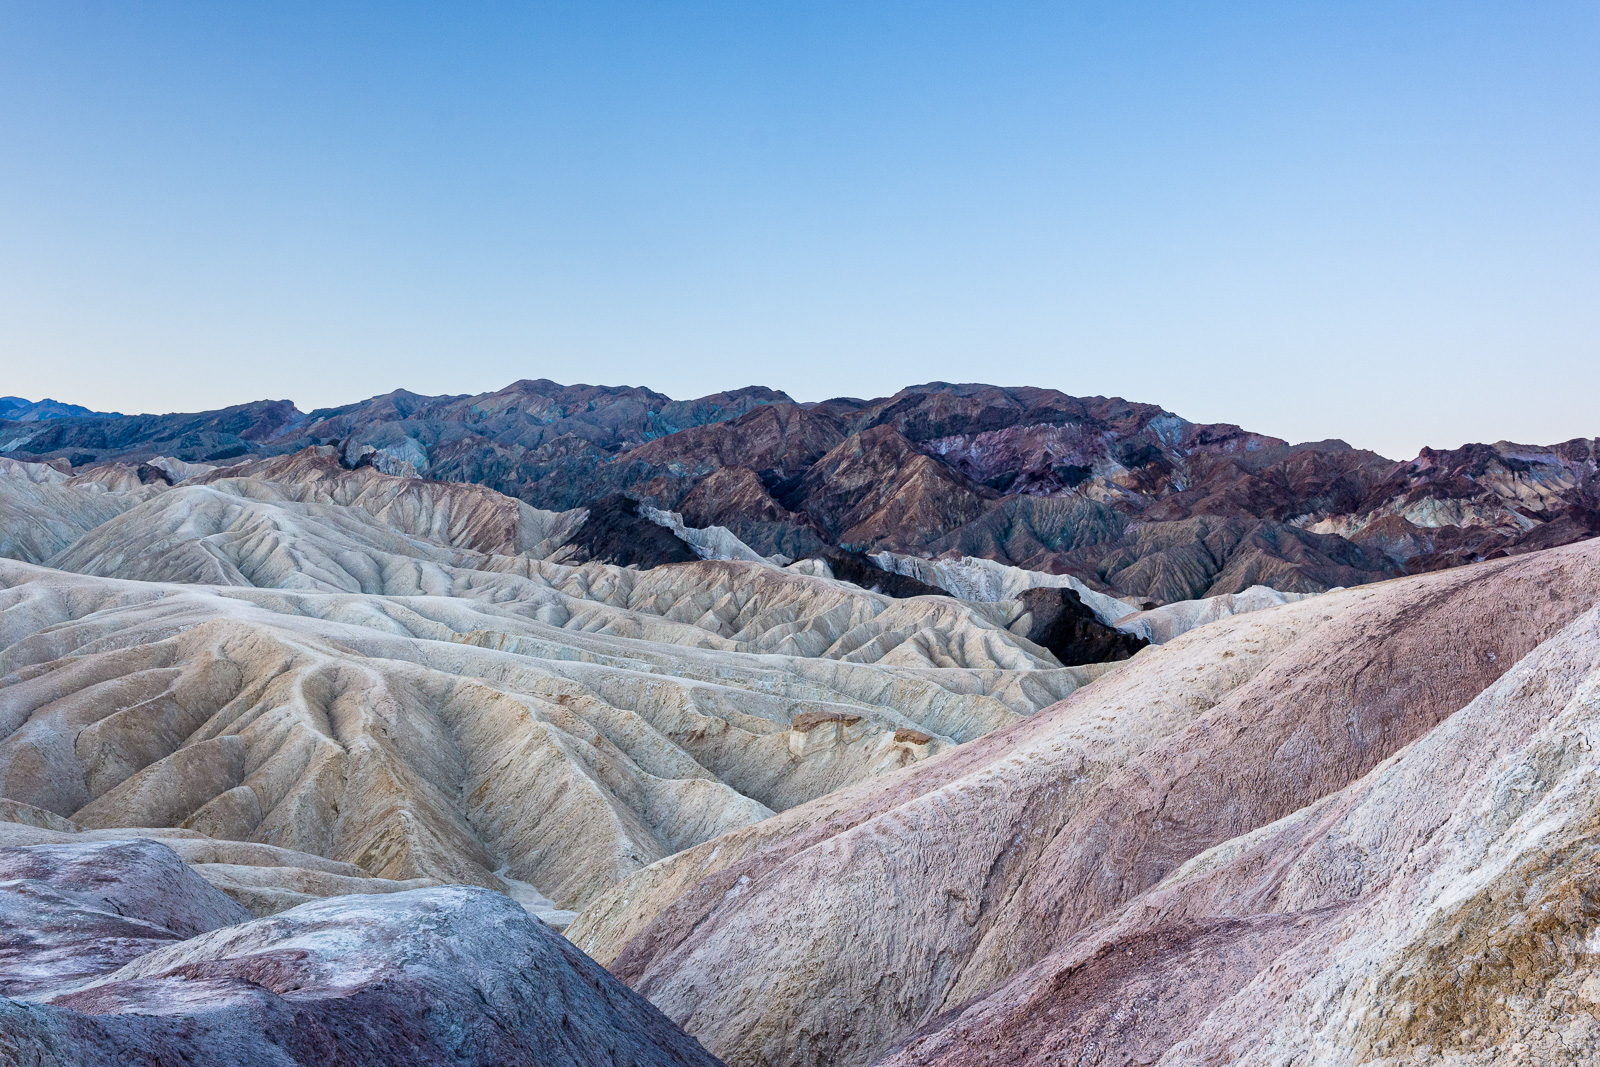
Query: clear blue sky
{"type": "Point", "coordinates": [1379, 221]}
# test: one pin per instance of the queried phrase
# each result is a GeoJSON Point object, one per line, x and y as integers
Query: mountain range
{"type": "Point", "coordinates": [1128, 497]}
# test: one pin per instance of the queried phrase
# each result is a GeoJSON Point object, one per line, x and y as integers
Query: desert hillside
{"type": "Point", "coordinates": [970, 726]}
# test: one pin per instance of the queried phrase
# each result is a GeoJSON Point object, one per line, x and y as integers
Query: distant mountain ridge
{"type": "Point", "coordinates": [16, 409]}
{"type": "Point", "coordinates": [1130, 497]}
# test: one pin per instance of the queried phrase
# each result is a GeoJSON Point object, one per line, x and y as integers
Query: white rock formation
{"type": "Point", "coordinates": [1162, 624]}
{"type": "Point", "coordinates": [984, 580]}
{"type": "Point", "coordinates": [712, 542]}
{"type": "Point", "coordinates": [970, 578]}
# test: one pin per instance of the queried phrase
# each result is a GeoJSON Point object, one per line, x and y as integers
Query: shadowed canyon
{"type": "Point", "coordinates": [972, 725]}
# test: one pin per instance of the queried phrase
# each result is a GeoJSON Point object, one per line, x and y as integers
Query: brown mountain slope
{"type": "Point", "coordinates": [782, 438]}
{"type": "Point", "coordinates": [560, 447]}
{"type": "Point", "coordinates": [527, 414]}
{"type": "Point", "coordinates": [736, 498]}
{"type": "Point", "coordinates": [875, 489]}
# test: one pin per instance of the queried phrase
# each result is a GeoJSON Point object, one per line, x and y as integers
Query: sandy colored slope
{"type": "Point", "coordinates": [387, 672]}
{"type": "Point", "coordinates": [44, 510]}
{"type": "Point", "coordinates": [891, 901]}
{"type": "Point", "coordinates": [561, 740]}
{"type": "Point", "coordinates": [456, 514]}
{"type": "Point", "coordinates": [363, 532]}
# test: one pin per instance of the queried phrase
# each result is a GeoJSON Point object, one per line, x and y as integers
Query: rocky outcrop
{"type": "Point", "coordinates": [117, 953]}
{"type": "Point", "coordinates": [877, 489]}
{"type": "Point", "coordinates": [615, 532]}
{"type": "Point", "coordinates": [1060, 534]}
{"type": "Point", "coordinates": [70, 912]}
{"type": "Point", "coordinates": [1061, 622]}
{"type": "Point", "coordinates": [782, 439]}
{"type": "Point", "coordinates": [737, 499]}
{"type": "Point", "coordinates": [1202, 557]}
{"type": "Point", "coordinates": [858, 569]}
{"type": "Point", "coordinates": [984, 580]}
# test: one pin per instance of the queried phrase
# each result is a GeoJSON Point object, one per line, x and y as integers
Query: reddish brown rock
{"type": "Point", "coordinates": [561, 447]}
{"type": "Point", "coordinates": [877, 490]}
{"type": "Point", "coordinates": [784, 438]}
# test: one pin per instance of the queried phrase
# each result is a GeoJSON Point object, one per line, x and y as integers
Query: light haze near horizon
{"type": "Point", "coordinates": [1379, 222]}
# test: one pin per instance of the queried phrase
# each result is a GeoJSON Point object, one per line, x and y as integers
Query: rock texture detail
{"type": "Point", "coordinates": [383, 673]}
{"type": "Point", "coordinates": [117, 953]}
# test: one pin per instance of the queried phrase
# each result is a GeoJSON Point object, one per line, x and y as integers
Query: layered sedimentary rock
{"type": "Point", "coordinates": [876, 489]}
{"type": "Point", "coordinates": [453, 738]}
{"type": "Point", "coordinates": [738, 499]}
{"type": "Point", "coordinates": [888, 909]}
{"type": "Point", "coordinates": [117, 953]}
{"type": "Point", "coordinates": [44, 510]}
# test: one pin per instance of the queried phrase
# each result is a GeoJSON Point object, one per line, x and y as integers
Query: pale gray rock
{"type": "Point", "coordinates": [711, 542]}
{"type": "Point", "coordinates": [1162, 624]}
{"type": "Point", "coordinates": [72, 910]}
{"type": "Point", "coordinates": [971, 578]}
{"type": "Point", "coordinates": [263, 878]}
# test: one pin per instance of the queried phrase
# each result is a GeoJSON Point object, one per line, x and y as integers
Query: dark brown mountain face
{"type": "Point", "coordinates": [737, 498]}
{"type": "Point", "coordinates": [1062, 534]}
{"type": "Point", "coordinates": [857, 569]}
{"type": "Point", "coordinates": [1072, 632]}
{"type": "Point", "coordinates": [782, 438]}
{"type": "Point", "coordinates": [1207, 556]}
{"type": "Point", "coordinates": [615, 532]}
{"type": "Point", "coordinates": [1126, 496]}
{"type": "Point", "coordinates": [1280, 483]}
